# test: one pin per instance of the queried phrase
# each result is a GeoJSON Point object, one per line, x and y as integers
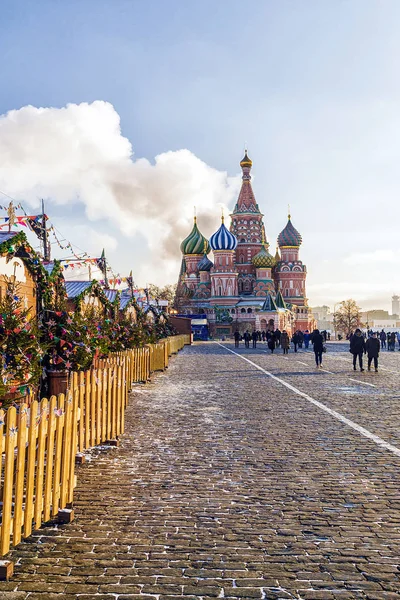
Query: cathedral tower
{"type": "Point", "coordinates": [223, 274]}
{"type": "Point", "coordinates": [193, 249]}
{"type": "Point", "coordinates": [290, 276]}
{"type": "Point", "coordinates": [247, 225]}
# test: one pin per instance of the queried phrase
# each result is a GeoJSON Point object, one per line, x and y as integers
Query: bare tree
{"type": "Point", "coordinates": [163, 293]}
{"type": "Point", "coordinates": [348, 317]}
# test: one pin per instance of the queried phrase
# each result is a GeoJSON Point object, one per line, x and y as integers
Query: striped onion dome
{"type": "Point", "coordinates": [205, 264]}
{"type": "Point", "coordinates": [223, 239]}
{"type": "Point", "coordinates": [195, 243]}
{"type": "Point", "coordinates": [263, 259]}
{"type": "Point", "coordinates": [289, 236]}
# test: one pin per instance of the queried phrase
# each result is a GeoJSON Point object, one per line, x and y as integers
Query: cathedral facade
{"type": "Point", "coordinates": [244, 286]}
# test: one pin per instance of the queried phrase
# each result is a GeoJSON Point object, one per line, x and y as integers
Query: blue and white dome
{"type": "Point", "coordinates": [205, 264]}
{"type": "Point", "coordinates": [223, 239]}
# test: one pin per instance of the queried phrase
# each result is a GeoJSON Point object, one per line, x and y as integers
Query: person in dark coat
{"type": "Point", "coordinates": [306, 339]}
{"type": "Point", "coordinates": [237, 338]}
{"type": "Point", "coordinates": [296, 340]}
{"type": "Point", "coordinates": [285, 342]}
{"type": "Point", "coordinates": [392, 341]}
{"type": "Point", "coordinates": [382, 336]}
{"type": "Point", "coordinates": [318, 342]}
{"type": "Point", "coordinates": [263, 336]}
{"type": "Point", "coordinates": [277, 335]}
{"type": "Point", "coordinates": [271, 343]}
{"type": "Point", "coordinates": [247, 338]}
{"type": "Point", "coordinates": [254, 337]}
{"type": "Point", "coordinates": [373, 346]}
{"type": "Point", "coordinates": [301, 338]}
{"type": "Point", "coordinates": [357, 348]}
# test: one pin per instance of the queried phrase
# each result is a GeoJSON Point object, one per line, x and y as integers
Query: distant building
{"type": "Point", "coordinates": [323, 317]}
{"type": "Point", "coordinates": [396, 305]}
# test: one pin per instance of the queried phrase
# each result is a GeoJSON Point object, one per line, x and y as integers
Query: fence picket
{"type": "Point", "coordinates": [48, 484]}
{"type": "Point", "coordinates": [19, 474]}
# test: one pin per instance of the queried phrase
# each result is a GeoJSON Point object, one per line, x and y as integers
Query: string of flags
{"type": "Point", "coordinates": [25, 221]}
{"type": "Point", "coordinates": [80, 263]}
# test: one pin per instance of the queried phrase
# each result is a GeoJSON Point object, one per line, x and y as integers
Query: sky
{"type": "Point", "coordinates": [124, 115]}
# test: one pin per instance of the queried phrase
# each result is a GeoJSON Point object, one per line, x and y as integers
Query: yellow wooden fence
{"type": "Point", "coordinates": [39, 443]}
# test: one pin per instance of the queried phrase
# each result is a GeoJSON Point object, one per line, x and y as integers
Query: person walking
{"type": "Point", "coordinates": [318, 342]}
{"type": "Point", "coordinates": [296, 340]}
{"type": "Point", "coordinates": [271, 343]}
{"type": "Point", "coordinates": [382, 337]}
{"type": "Point", "coordinates": [247, 338]}
{"type": "Point", "coordinates": [237, 338]}
{"type": "Point", "coordinates": [263, 335]}
{"type": "Point", "coordinates": [254, 337]}
{"type": "Point", "coordinates": [285, 342]}
{"type": "Point", "coordinates": [392, 341]}
{"type": "Point", "coordinates": [373, 346]}
{"type": "Point", "coordinates": [357, 348]}
{"type": "Point", "coordinates": [306, 339]}
{"type": "Point", "coordinates": [301, 338]}
{"type": "Point", "coordinates": [277, 335]}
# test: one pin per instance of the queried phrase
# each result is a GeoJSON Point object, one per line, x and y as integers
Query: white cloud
{"type": "Point", "coordinates": [77, 154]}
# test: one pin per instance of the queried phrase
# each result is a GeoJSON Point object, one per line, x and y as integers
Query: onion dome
{"type": "Point", "coordinates": [205, 264]}
{"type": "Point", "coordinates": [246, 161]}
{"type": "Point", "coordinates": [289, 236]}
{"type": "Point", "coordinates": [195, 243]}
{"type": "Point", "coordinates": [263, 259]}
{"type": "Point", "coordinates": [186, 292]}
{"type": "Point", "coordinates": [223, 239]}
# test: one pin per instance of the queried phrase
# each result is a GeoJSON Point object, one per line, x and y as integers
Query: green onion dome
{"type": "Point", "coordinates": [195, 243]}
{"type": "Point", "coordinates": [289, 236]}
{"type": "Point", "coordinates": [186, 292]}
{"type": "Point", "coordinates": [263, 259]}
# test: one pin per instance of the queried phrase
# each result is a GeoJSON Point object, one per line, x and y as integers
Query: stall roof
{"type": "Point", "coordinates": [7, 235]}
{"type": "Point", "coordinates": [74, 288]}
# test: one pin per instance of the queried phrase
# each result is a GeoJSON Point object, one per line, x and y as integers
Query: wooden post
{"type": "Point", "coordinates": [93, 398]}
{"type": "Point", "coordinates": [81, 383]}
{"type": "Point", "coordinates": [30, 471]}
{"type": "Point", "coordinates": [58, 454]}
{"type": "Point", "coordinates": [88, 385]}
{"type": "Point", "coordinates": [104, 380]}
{"type": "Point", "coordinates": [20, 473]}
{"type": "Point", "coordinates": [49, 483]}
{"type": "Point", "coordinates": [8, 480]}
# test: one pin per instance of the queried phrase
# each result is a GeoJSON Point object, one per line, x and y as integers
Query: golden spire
{"type": "Point", "coordinates": [195, 216]}
{"type": "Point", "coordinates": [222, 214]}
{"type": "Point", "coordinates": [288, 208]}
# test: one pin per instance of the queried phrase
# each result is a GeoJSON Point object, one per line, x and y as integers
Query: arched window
{"type": "Point", "coordinates": [241, 259]}
{"type": "Point", "coordinates": [242, 310]}
{"type": "Point", "coordinates": [243, 240]}
{"type": "Point", "coordinates": [249, 310]}
{"type": "Point", "coordinates": [227, 260]}
{"type": "Point", "coordinates": [219, 291]}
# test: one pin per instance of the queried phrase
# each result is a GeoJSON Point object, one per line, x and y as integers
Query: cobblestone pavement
{"type": "Point", "coordinates": [228, 484]}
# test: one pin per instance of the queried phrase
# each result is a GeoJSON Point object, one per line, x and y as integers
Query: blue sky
{"type": "Point", "coordinates": [311, 86]}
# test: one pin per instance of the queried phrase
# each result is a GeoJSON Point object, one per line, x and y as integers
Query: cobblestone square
{"type": "Point", "coordinates": [230, 483]}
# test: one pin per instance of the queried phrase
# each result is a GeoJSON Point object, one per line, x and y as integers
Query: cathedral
{"type": "Point", "coordinates": [244, 287]}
